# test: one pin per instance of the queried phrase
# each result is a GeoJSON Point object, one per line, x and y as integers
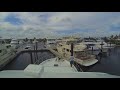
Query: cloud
{"type": "Point", "coordinates": [56, 24]}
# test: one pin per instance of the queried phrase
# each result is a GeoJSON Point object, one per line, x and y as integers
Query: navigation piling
{"type": "Point", "coordinates": [101, 45]}
{"type": "Point", "coordinates": [36, 50]}
{"type": "Point", "coordinates": [92, 50]}
{"type": "Point", "coordinates": [75, 63]}
{"type": "Point", "coordinates": [71, 49]}
{"type": "Point", "coordinates": [31, 57]}
{"type": "Point", "coordinates": [34, 54]}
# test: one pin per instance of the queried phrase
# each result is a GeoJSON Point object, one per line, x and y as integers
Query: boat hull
{"type": "Point", "coordinates": [85, 63]}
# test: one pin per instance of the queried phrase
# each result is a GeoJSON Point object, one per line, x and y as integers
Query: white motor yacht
{"type": "Point", "coordinates": [80, 52]}
{"type": "Point", "coordinates": [14, 43]}
{"type": "Point", "coordinates": [51, 43]}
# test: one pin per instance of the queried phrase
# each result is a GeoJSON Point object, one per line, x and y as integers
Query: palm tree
{"type": "Point", "coordinates": [112, 39]}
{"type": "Point", "coordinates": [31, 41]}
{"type": "Point", "coordinates": [34, 38]}
{"type": "Point", "coordinates": [39, 39]}
{"type": "Point", "coordinates": [111, 36]}
{"type": "Point", "coordinates": [44, 40]}
{"type": "Point", "coordinates": [119, 36]}
{"type": "Point", "coordinates": [26, 39]}
{"type": "Point", "coordinates": [106, 40]}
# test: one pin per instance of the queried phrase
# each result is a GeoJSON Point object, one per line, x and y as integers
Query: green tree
{"type": "Point", "coordinates": [31, 41]}
{"type": "Point", "coordinates": [44, 40]}
{"type": "Point", "coordinates": [34, 38]}
{"type": "Point", "coordinates": [26, 39]}
{"type": "Point", "coordinates": [116, 37]}
{"type": "Point", "coordinates": [111, 37]}
{"type": "Point", "coordinates": [40, 40]}
{"type": "Point", "coordinates": [106, 39]}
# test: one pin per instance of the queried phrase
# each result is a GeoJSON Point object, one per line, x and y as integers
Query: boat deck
{"type": "Point", "coordinates": [62, 66]}
{"type": "Point", "coordinates": [77, 75]}
{"type": "Point", "coordinates": [84, 63]}
{"type": "Point", "coordinates": [22, 74]}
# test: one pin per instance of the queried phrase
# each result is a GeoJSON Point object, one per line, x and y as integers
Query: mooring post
{"type": "Point", "coordinates": [71, 49]}
{"type": "Point", "coordinates": [101, 45]}
{"type": "Point", "coordinates": [34, 53]}
{"type": "Point", "coordinates": [31, 58]}
{"type": "Point", "coordinates": [92, 50]}
{"type": "Point", "coordinates": [36, 50]}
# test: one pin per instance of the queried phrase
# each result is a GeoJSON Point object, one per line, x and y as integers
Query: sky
{"type": "Point", "coordinates": [58, 24]}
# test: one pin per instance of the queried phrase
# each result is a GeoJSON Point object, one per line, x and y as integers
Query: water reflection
{"type": "Point", "coordinates": [24, 59]}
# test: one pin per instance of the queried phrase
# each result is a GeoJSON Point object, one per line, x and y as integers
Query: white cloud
{"type": "Point", "coordinates": [46, 24]}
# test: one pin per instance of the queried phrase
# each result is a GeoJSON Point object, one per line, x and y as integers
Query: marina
{"type": "Point", "coordinates": [109, 64]}
{"type": "Point", "coordinates": [23, 57]}
{"type": "Point", "coordinates": [59, 45]}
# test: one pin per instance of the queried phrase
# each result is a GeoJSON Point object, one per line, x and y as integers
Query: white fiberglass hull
{"type": "Point", "coordinates": [87, 63]}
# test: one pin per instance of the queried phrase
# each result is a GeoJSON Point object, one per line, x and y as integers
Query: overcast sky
{"type": "Point", "coordinates": [55, 24]}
